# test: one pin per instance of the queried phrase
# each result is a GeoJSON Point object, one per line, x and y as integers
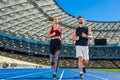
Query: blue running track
{"type": "Point", "coordinates": [62, 74]}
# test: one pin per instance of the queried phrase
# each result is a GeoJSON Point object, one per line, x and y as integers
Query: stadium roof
{"type": "Point", "coordinates": [26, 19]}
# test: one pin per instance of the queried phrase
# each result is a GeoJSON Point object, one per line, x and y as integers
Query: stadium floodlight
{"type": "Point", "coordinates": [3, 9]}
{"type": "Point", "coordinates": [30, 10]}
{"type": "Point", "coordinates": [11, 21]}
{"type": "Point", "coordinates": [11, 15]}
{"type": "Point", "coordinates": [3, 17]}
{"type": "Point", "coordinates": [13, 7]}
{"type": "Point", "coordinates": [21, 12]}
{"type": "Point", "coordinates": [24, 4]}
{"type": "Point", "coordinates": [19, 19]}
{"type": "Point", "coordinates": [5, 1]}
{"type": "Point", "coordinates": [4, 24]}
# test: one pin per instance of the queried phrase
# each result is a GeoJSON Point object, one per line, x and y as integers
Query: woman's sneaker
{"type": "Point", "coordinates": [54, 76]}
{"type": "Point", "coordinates": [81, 76]}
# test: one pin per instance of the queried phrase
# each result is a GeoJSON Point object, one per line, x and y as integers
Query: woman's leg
{"type": "Point", "coordinates": [52, 59]}
{"type": "Point", "coordinates": [57, 53]}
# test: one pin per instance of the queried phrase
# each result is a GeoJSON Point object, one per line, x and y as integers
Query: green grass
{"type": "Point", "coordinates": [108, 70]}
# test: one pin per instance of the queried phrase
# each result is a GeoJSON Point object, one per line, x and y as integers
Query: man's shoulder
{"type": "Point", "coordinates": [85, 26]}
{"type": "Point", "coordinates": [77, 27]}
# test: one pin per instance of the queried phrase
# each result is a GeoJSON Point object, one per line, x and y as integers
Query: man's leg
{"type": "Point", "coordinates": [80, 60]}
{"type": "Point", "coordinates": [84, 68]}
{"type": "Point", "coordinates": [85, 57]}
{"type": "Point", "coordinates": [79, 55]}
{"type": "Point", "coordinates": [85, 62]}
{"type": "Point", "coordinates": [80, 64]}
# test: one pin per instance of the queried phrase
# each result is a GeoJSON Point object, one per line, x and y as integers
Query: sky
{"type": "Point", "coordinates": [95, 10]}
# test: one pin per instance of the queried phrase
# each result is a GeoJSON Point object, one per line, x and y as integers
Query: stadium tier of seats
{"type": "Point", "coordinates": [43, 60]}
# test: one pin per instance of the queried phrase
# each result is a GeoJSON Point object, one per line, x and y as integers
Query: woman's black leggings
{"type": "Point", "coordinates": [55, 49]}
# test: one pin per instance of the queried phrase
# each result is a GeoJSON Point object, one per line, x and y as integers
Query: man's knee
{"type": "Point", "coordinates": [80, 60]}
{"type": "Point", "coordinates": [86, 62]}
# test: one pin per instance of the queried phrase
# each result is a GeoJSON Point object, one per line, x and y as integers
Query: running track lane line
{"type": "Point", "coordinates": [61, 75]}
{"type": "Point", "coordinates": [11, 72]}
{"type": "Point", "coordinates": [29, 74]}
{"type": "Point", "coordinates": [92, 75]}
{"type": "Point", "coordinates": [97, 77]}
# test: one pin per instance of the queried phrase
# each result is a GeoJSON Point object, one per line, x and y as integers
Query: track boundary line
{"type": "Point", "coordinates": [97, 77]}
{"type": "Point", "coordinates": [61, 75]}
{"type": "Point", "coordinates": [29, 74]}
{"type": "Point", "coordinates": [92, 75]}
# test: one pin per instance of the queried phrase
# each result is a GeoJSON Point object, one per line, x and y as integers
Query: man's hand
{"type": "Point", "coordinates": [84, 35]}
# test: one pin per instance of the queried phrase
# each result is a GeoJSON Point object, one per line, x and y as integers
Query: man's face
{"type": "Point", "coordinates": [81, 20]}
{"type": "Point", "coordinates": [55, 20]}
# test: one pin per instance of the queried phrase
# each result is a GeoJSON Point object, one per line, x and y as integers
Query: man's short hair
{"type": "Point", "coordinates": [80, 17]}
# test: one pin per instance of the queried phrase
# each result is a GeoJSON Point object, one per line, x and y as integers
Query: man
{"type": "Point", "coordinates": [81, 35]}
{"type": "Point", "coordinates": [55, 33]}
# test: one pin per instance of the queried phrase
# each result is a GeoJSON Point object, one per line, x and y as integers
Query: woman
{"type": "Point", "coordinates": [55, 33]}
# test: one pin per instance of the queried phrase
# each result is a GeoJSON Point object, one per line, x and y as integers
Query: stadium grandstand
{"type": "Point", "coordinates": [23, 28]}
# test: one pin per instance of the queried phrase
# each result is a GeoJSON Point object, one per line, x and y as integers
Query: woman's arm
{"type": "Point", "coordinates": [49, 34]}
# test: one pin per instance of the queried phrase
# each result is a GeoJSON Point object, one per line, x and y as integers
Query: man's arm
{"type": "Point", "coordinates": [89, 36]}
{"type": "Point", "coordinates": [90, 33]}
{"type": "Point", "coordinates": [74, 37]}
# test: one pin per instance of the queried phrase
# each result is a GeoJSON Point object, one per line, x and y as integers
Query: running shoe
{"type": "Point", "coordinates": [81, 76]}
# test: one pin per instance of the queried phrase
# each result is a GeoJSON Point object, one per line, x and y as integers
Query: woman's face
{"type": "Point", "coordinates": [55, 20]}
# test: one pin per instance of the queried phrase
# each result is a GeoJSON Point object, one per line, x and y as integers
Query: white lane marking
{"type": "Point", "coordinates": [97, 77]}
{"type": "Point", "coordinates": [61, 75]}
{"type": "Point", "coordinates": [4, 72]}
{"type": "Point", "coordinates": [12, 72]}
{"type": "Point", "coordinates": [30, 74]}
{"type": "Point", "coordinates": [7, 73]}
{"type": "Point", "coordinates": [92, 75]}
